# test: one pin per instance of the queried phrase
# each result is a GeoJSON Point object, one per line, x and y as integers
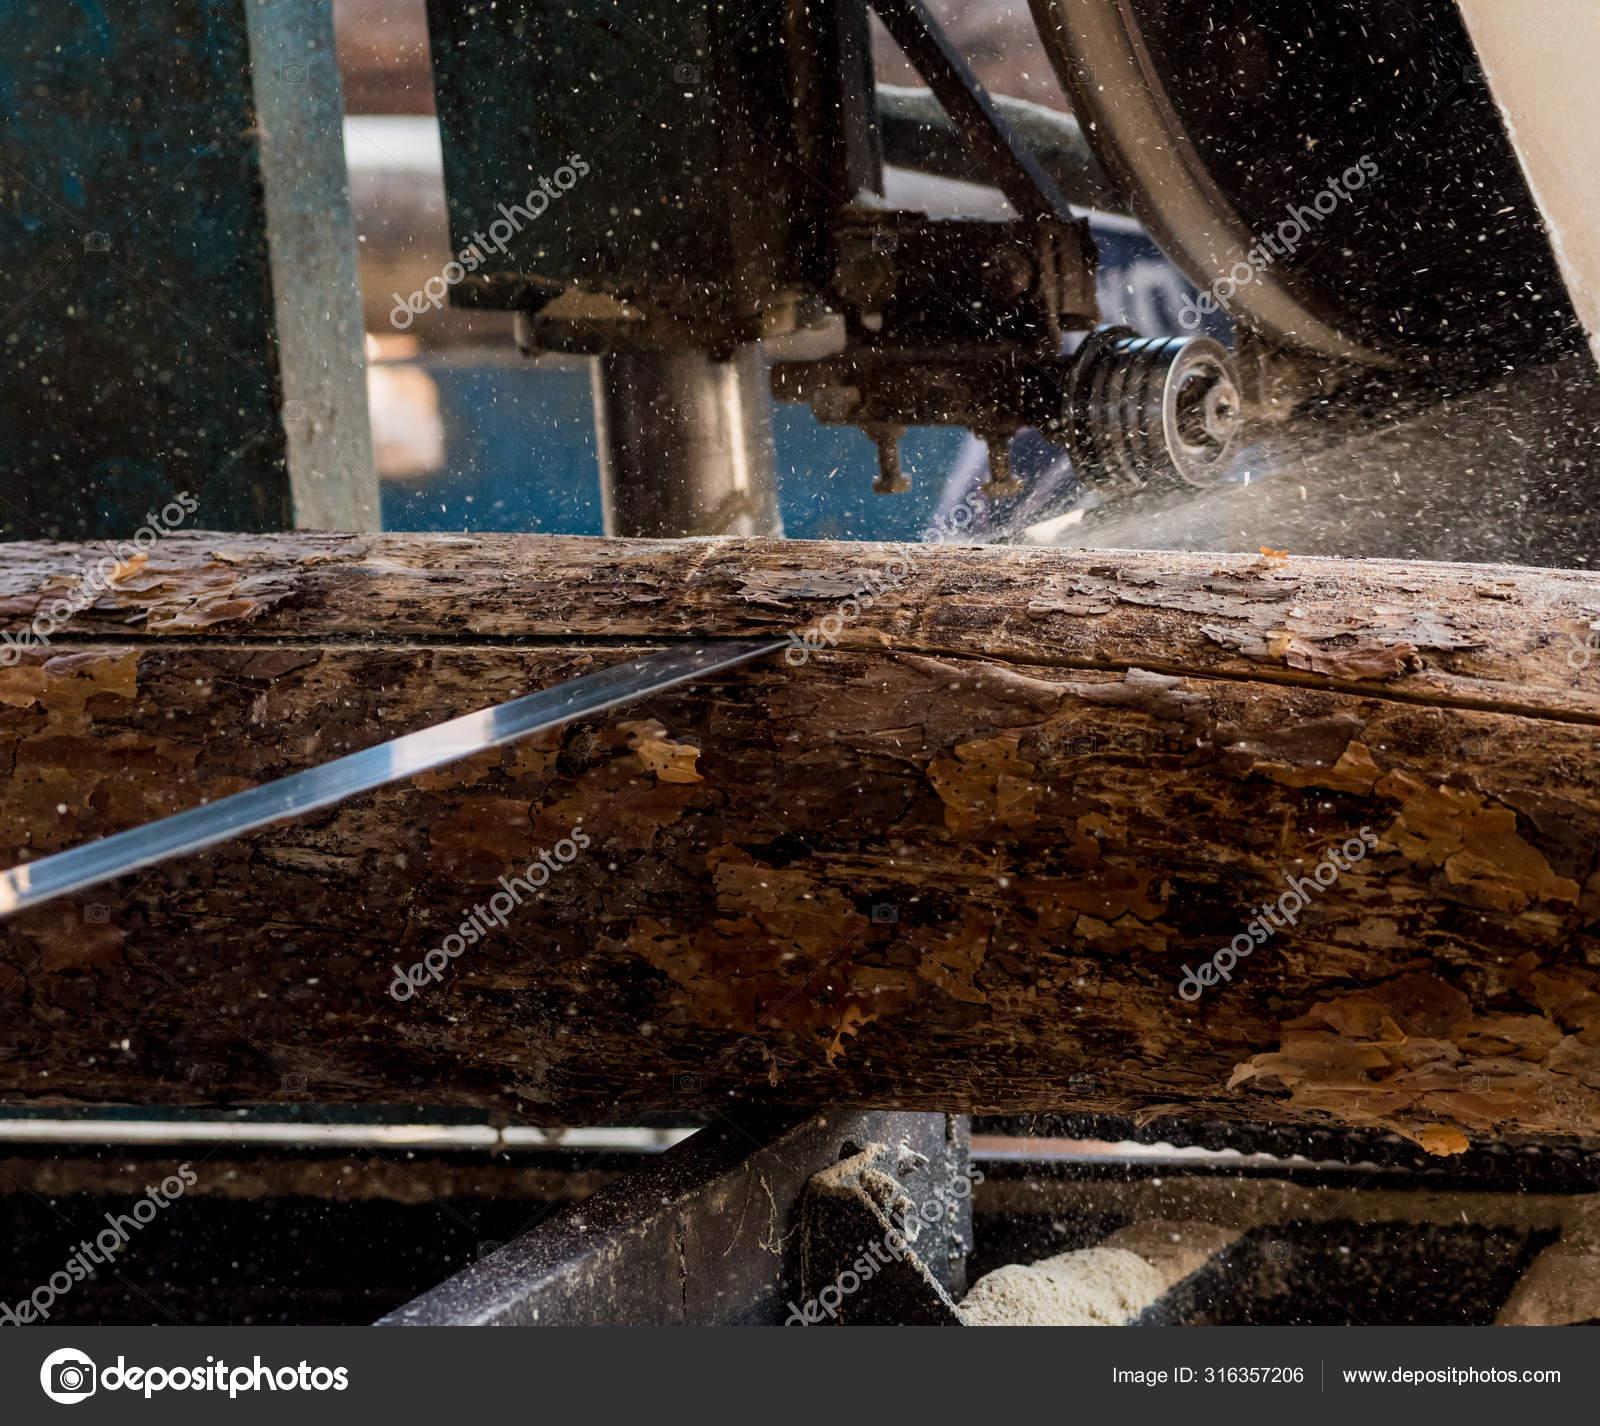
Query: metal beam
{"type": "Point", "coordinates": [182, 306]}
{"type": "Point", "coordinates": [707, 1235]}
{"type": "Point", "coordinates": [311, 243]}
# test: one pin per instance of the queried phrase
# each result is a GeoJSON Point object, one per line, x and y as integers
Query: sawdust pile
{"type": "Point", "coordinates": [1104, 1286]}
{"type": "Point", "coordinates": [1093, 1287]}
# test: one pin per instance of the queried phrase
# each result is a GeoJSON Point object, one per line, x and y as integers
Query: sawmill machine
{"type": "Point", "coordinates": [719, 205]}
{"type": "Point", "coordinates": [700, 197]}
{"type": "Point", "coordinates": [1333, 178]}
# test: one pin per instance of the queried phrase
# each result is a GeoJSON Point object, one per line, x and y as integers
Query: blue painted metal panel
{"type": "Point", "coordinates": [136, 335]}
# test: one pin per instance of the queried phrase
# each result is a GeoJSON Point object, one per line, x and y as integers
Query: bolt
{"type": "Point", "coordinates": [891, 479]}
{"type": "Point", "coordinates": [1001, 481]}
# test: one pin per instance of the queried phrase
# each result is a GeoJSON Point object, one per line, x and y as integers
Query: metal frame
{"type": "Point", "coordinates": [709, 1234]}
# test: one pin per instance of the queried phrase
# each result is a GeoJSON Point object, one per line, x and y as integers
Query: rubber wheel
{"type": "Point", "coordinates": [1218, 121]}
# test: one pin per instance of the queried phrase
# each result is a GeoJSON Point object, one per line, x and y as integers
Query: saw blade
{"type": "Point", "coordinates": [332, 782]}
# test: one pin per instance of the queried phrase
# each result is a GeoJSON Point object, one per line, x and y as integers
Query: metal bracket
{"type": "Point", "coordinates": [860, 1235]}
{"type": "Point", "coordinates": [1002, 157]}
{"type": "Point", "coordinates": [710, 1234]}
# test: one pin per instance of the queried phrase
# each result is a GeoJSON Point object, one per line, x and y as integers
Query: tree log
{"type": "Point", "coordinates": [960, 859]}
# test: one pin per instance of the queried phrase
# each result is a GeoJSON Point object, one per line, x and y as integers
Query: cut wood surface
{"type": "Point", "coordinates": [961, 860]}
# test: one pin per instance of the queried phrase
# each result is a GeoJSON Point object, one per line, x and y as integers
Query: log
{"type": "Point", "coordinates": [960, 859]}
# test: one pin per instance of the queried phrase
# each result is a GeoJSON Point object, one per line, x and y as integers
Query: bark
{"type": "Point", "coordinates": [959, 861]}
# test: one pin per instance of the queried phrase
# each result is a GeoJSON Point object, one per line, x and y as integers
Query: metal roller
{"type": "Point", "coordinates": [685, 443]}
{"type": "Point", "coordinates": [1141, 409]}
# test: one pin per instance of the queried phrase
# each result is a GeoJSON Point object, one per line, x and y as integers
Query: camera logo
{"type": "Point", "coordinates": [67, 1376]}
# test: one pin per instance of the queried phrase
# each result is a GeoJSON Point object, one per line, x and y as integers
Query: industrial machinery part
{"type": "Point", "coordinates": [1305, 1237]}
{"type": "Point", "coordinates": [948, 324]}
{"type": "Point", "coordinates": [892, 1218]}
{"type": "Point", "coordinates": [1139, 407]}
{"type": "Point", "coordinates": [685, 442]}
{"type": "Point", "coordinates": [673, 250]}
{"type": "Point", "coordinates": [1000, 156]}
{"type": "Point", "coordinates": [1131, 410]}
{"type": "Point", "coordinates": [862, 1217]}
{"type": "Point", "coordinates": [681, 1239]}
{"type": "Point", "coordinates": [1335, 180]}
{"type": "Point", "coordinates": [205, 826]}
{"type": "Point", "coordinates": [762, 1219]}
{"type": "Point", "coordinates": [917, 134]}
{"type": "Point", "coordinates": [1339, 167]}
{"type": "Point", "coordinates": [125, 196]}
{"type": "Point", "coordinates": [1539, 76]}
{"type": "Point", "coordinates": [755, 207]}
